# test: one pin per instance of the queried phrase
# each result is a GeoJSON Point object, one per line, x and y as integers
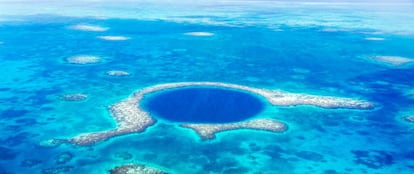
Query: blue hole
{"type": "Point", "coordinates": [203, 105]}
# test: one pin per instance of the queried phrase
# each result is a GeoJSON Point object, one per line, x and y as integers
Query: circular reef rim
{"type": "Point", "coordinates": [131, 118]}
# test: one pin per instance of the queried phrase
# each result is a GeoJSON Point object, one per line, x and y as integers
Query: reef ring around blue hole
{"type": "Point", "coordinates": [203, 104]}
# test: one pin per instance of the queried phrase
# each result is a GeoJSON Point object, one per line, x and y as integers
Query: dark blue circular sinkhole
{"type": "Point", "coordinates": [203, 105]}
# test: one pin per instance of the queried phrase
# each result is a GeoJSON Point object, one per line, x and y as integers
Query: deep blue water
{"type": "Point", "coordinates": [324, 58]}
{"type": "Point", "coordinates": [204, 105]}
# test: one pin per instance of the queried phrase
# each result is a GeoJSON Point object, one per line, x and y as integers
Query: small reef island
{"type": "Point", "coordinates": [131, 116]}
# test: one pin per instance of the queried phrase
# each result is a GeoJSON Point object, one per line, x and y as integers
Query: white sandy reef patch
{"type": "Point", "coordinates": [375, 38]}
{"type": "Point", "coordinates": [392, 60]}
{"type": "Point", "coordinates": [114, 38]}
{"type": "Point", "coordinates": [199, 34]}
{"type": "Point", "coordinates": [117, 73]}
{"type": "Point", "coordinates": [87, 27]}
{"type": "Point", "coordinates": [74, 97]}
{"type": "Point", "coordinates": [83, 59]}
{"type": "Point", "coordinates": [131, 118]}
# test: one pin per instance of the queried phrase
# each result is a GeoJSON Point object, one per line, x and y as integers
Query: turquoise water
{"type": "Point", "coordinates": [314, 49]}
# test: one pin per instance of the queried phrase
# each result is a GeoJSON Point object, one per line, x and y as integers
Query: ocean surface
{"type": "Point", "coordinates": [358, 50]}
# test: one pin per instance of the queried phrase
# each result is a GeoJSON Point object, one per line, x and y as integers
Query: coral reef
{"type": "Point", "coordinates": [124, 155]}
{"type": "Point", "coordinates": [74, 97]}
{"type": "Point", "coordinates": [409, 118]}
{"type": "Point", "coordinates": [131, 118]}
{"type": "Point", "coordinates": [393, 60]}
{"type": "Point", "coordinates": [83, 59]}
{"type": "Point", "coordinates": [208, 131]}
{"type": "Point", "coordinates": [136, 169]}
{"type": "Point", "coordinates": [30, 162]}
{"type": "Point", "coordinates": [63, 158]}
{"type": "Point", "coordinates": [373, 159]}
{"type": "Point", "coordinates": [199, 34]}
{"type": "Point", "coordinates": [58, 170]}
{"type": "Point", "coordinates": [375, 38]}
{"type": "Point", "coordinates": [114, 38]}
{"type": "Point", "coordinates": [86, 27]}
{"type": "Point", "coordinates": [117, 73]}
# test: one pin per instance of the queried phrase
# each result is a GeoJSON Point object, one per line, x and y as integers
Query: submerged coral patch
{"type": "Point", "coordinates": [373, 159]}
{"type": "Point", "coordinates": [117, 73]}
{"type": "Point", "coordinates": [30, 162]}
{"type": "Point", "coordinates": [136, 169]}
{"type": "Point", "coordinates": [57, 170]}
{"type": "Point", "coordinates": [114, 38]}
{"type": "Point", "coordinates": [393, 60]}
{"type": "Point", "coordinates": [203, 105]}
{"type": "Point", "coordinates": [74, 97]}
{"type": "Point", "coordinates": [63, 158]}
{"type": "Point", "coordinates": [123, 155]}
{"type": "Point", "coordinates": [309, 155]}
{"type": "Point", "coordinates": [83, 59]}
{"type": "Point", "coordinates": [87, 27]}
{"type": "Point", "coordinates": [409, 119]}
{"type": "Point", "coordinates": [200, 34]}
{"type": "Point", "coordinates": [375, 38]}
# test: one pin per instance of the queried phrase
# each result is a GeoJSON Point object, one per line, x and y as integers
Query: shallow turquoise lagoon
{"type": "Point", "coordinates": [64, 64]}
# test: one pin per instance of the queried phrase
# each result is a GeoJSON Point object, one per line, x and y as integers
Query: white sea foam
{"type": "Point", "coordinates": [86, 27]}
{"type": "Point", "coordinates": [200, 34]}
{"type": "Point", "coordinates": [114, 38]}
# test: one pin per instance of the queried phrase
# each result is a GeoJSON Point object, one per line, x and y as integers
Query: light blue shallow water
{"type": "Point", "coordinates": [326, 56]}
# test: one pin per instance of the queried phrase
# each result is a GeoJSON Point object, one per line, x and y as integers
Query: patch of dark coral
{"type": "Point", "coordinates": [58, 170]}
{"type": "Point", "coordinates": [63, 158]}
{"type": "Point", "coordinates": [30, 162]}
{"type": "Point", "coordinates": [274, 151]}
{"type": "Point", "coordinates": [309, 155]}
{"type": "Point", "coordinates": [27, 121]}
{"type": "Point", "coordinates": [17, 139]}
{"type": "Point", "coordinates": [124, 155]}
{"type": "Point", "coordinates": [373, 159]}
